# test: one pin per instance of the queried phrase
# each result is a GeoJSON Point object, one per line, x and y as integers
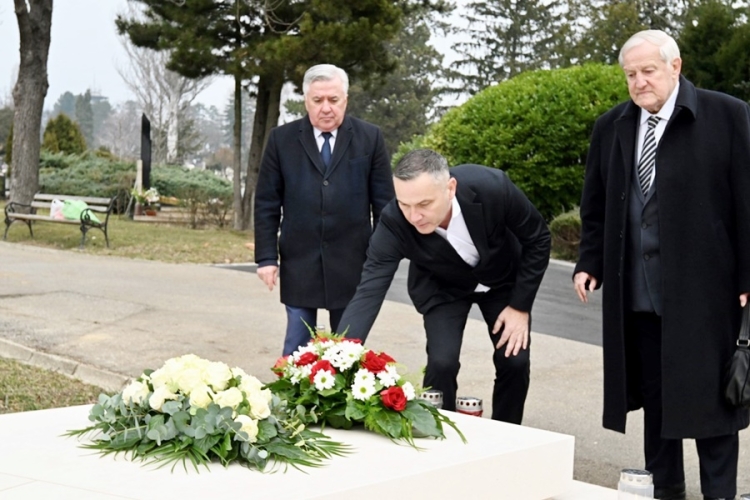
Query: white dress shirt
{"type": "Point", "coordinates": [458, 236]}
{"type": "Point", "coordinates": [320, 140]}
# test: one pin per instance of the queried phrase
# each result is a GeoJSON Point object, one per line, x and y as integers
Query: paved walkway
{"type": "Point", "coordinates": [104, 319]}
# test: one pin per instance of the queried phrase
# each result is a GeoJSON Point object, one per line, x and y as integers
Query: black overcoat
{"type": "Point", "coordinates": [703, 188]}
{"type": "Point", "coordinates": [328, 216]}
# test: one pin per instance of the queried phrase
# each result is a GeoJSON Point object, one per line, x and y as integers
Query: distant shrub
{"type": "Point", "coordinates": [96, 173]}
{"type": "Point", "coordinates": [565, 230]}
{"type": "Point", "coordinates": [536, 127]}
{"type": "Point", "coordinates": [62, 135]}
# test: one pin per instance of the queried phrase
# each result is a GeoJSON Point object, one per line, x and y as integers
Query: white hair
{"type": "Point", "coordinates": [324, 72]}
{"type": "Point", "coordinates": [668, 49]}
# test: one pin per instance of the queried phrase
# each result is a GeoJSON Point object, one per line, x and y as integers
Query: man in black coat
{"type": "Point", "coordinates": [330, 175]}
{"type": "Point", "coordinates": [472, 237]}
{"type": "Point", "coordinates": [665, 218]}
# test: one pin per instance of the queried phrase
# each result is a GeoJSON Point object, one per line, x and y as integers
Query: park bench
{"type": "Point", "coordinates": [19, 212]}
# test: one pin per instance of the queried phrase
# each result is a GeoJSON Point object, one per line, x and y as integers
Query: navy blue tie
{"type": "Point", "coordinates": [325, 153]}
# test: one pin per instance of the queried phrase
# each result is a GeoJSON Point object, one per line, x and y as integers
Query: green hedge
{"type": "Point", "coordinates": [536, 127]}
{"type": "Point", "coordinates": [93, 174]}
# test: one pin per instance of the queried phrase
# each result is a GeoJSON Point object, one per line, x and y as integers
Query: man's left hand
{"type": "Point", "coordinates": [743, 299]}
{"type": "Point", "coordinates": [515, 327]}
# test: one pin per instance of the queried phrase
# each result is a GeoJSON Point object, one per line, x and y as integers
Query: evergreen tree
{"type": "Point", "coordinates": [66, 103]}
{"type": "Point", "coordinates": [85, 116]}
{"type": "Point", "coordinates": [62, 135]}
{"type": "Point", "coordinates": [505, 38]}
{"type": "Point", "coordinates": [6, 122]}
{"type": "Point", "coordinates": [403, 102]}
{"type": "Point", "coordinates": [100, 110]}
{"type": "Point", "coordinates": [711, 26]}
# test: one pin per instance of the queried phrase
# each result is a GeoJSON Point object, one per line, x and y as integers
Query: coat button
{"type": "Point", "coordinates": [644, 225]}
{"type": "Point", "coordinates": [325, 183]}
{"type": "Point", "coordinates": [620, 234]}
{"type": "Point", "coordinates": [622, 196]}
{"type": "Point", "coordinates": [646, 256]}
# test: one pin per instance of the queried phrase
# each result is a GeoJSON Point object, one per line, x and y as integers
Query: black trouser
{"type": "Point", "coordinates": [717, 455]}
{"type": "Point", "coordinates": [444, 326]}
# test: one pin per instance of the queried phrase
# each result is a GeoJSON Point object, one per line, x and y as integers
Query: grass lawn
{"type": "Point", "coordinates": [26, 388]}
{"type": "Point", "coordinates": [164, 242]}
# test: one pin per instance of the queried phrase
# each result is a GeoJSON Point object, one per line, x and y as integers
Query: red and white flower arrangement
{"type": "Point", "coordinates": [338, 381]}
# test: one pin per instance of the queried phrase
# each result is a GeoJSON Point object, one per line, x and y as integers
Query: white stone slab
{"type": "Point", "coordinates": [501, 461]}
{"type": "Point", "coordinates": [585, 491]}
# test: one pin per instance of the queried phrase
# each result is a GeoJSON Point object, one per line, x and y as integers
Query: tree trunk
{"type": "Point", "coordinates": [173, 123]}
{"type": "Point", "coordinates": [237, 158]}
{"type": "Point", "coordinates": [34, 23]}
{"type": "Point", "coordinates": [267, 110]}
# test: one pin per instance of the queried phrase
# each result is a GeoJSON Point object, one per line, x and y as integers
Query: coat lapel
{"type": "Point", "coordinates": [474, 218]}
{"type": "Point", "coordinates": [343, 141]}
{"type": "Point", "coordinates": [625, 129]}
{"type": "Point", "coordinates": [307, 139]}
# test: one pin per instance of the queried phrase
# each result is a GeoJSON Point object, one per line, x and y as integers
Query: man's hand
{"type": "Point", "coordinates": [579, 281]}
{"type": "Point", "coordinates": [743, 299]}
{"type": "Point", "coordinates": [268, 275]}
{"type": "Point", "coordinates": [515, 327]}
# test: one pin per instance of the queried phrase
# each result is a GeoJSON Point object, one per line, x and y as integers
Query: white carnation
{"type": "Point", "coordinates": [409, 391]}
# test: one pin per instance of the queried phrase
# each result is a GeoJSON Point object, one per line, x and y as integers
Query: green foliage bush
{"type": "Point", "coordinates": [94, 174]}
{"type": "Point", "coordinates": [536, 127]}
{"type": "Point", "coordinates": [565, 230]}
{"type": "Point", "coordinates": [62, 135]}
{"type": "Point", "coordinates": [85, 175]}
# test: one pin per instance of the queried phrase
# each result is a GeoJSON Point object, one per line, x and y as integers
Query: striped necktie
{"type": "Point", "coordinates": [648, 156]}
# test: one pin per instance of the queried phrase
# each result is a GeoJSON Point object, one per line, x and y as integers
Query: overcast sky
{"type": "Point", "coordinates": [85, 52]}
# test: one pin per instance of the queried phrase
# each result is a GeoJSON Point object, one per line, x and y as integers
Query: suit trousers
{"type": "Point", "coordinates": [297, 332]}
{"type": "Point", "coordinates": [718, 455]}
{"type": "Point", "coordinates": [444, 326]}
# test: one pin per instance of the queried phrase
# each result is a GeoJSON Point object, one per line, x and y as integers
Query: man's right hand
{"type": "Point", "coordinates": [268, 275]}
{"type": "Point", "coordinates": [580, 280]}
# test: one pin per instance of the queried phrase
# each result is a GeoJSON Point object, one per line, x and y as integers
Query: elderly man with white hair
{"type": "Point", "coordinates": [666, 232]}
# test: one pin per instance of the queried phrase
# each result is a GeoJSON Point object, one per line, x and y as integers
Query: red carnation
{"type": "Point", "coordinates": [278, 367]}
{"type": "Point", "coordinates": [394, 398]}
{"type": "Point", "coordinates": [307, 358]}
{"type": "Point", "coordinates": [322, 365]}
{"type": "Point", "coordinates": [373, 362]}
{"type": "Point", "coordinates": [386, 358]}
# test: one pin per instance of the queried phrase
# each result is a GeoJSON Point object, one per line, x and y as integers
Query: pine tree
{"type": "Point", "coordinates": [85, 116]}
{"type": "Point", "coordinates": [505, 38]}
{"type": "Point", "coordinates": [63, 135]}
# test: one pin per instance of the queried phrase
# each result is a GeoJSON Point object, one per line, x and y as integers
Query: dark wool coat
{"type": "Point", "coordinates": [703, 188]}
{"type": "Point", "coordinates": [327, 216]}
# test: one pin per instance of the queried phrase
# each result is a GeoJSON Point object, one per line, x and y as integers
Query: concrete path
{"type": "Point", "coordinates": [104, 319]}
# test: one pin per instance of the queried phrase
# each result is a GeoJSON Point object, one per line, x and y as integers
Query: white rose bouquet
{"type": "Point", "coordinates": [195, 410]}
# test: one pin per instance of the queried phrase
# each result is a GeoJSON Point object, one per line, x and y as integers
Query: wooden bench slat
{"type": "Point", "coordinates": [42, 217]}
{"type": "Point", "coordinates": [62, 197]}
